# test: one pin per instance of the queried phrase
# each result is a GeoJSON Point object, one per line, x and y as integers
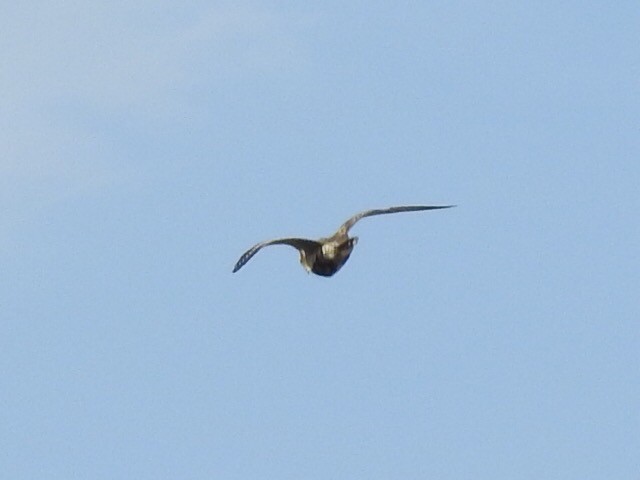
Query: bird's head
{"type": "Point", "coordinates": [351, 243]}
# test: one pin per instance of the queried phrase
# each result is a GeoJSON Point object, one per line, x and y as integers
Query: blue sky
{"type": "Point", "coordinates": [144, 146]}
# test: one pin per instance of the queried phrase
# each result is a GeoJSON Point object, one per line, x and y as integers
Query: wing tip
{"type": "Point", "coordinates": [239, 265]}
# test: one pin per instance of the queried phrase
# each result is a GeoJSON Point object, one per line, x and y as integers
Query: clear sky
{"type": "Point", "coordinates": [145, 145]}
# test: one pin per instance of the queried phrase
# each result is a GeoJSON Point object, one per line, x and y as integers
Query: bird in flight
{"type": "Point", "coordinates": [326, 256]}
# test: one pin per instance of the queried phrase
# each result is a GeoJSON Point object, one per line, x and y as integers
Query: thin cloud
{"type": "Point", "coordinates": [114, 61]}
{"type": "Point", "coordinates": [98, 56]}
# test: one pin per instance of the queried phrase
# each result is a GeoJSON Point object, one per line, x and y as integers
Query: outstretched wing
{"type": "Point", "coordinates": [308, 246]}
{"type": "Point", "coordinates": [346, 226]}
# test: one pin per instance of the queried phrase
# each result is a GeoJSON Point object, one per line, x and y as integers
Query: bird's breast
{"type": "Point", "coordinates": [332, 257]}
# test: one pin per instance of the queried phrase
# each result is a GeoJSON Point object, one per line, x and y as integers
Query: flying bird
{"type": "Point", "coordinates": [326, 256]}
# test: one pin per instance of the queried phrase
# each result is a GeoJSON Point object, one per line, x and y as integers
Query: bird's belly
{"type": "Point", "coordinates": [326, 267]}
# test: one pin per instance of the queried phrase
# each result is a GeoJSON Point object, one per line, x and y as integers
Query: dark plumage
{"type": "Point", "coordinates": [326, 256]}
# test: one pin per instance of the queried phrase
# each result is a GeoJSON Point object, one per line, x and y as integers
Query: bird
{"type": "Point", "coordinates": [326, 256]}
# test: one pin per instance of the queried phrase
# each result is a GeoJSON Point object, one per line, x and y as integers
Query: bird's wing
{"type": "Point", "coordinates": [308, 246]}
{"type": "Point", "coordinates": [346, 226]}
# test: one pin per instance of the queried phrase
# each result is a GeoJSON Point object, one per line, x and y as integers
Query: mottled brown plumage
{"type": "Point", "coordinates": [326, 256]}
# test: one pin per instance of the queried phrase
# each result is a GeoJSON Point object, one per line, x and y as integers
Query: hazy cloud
{"type": "Point", "coordinates": [64, 62]}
